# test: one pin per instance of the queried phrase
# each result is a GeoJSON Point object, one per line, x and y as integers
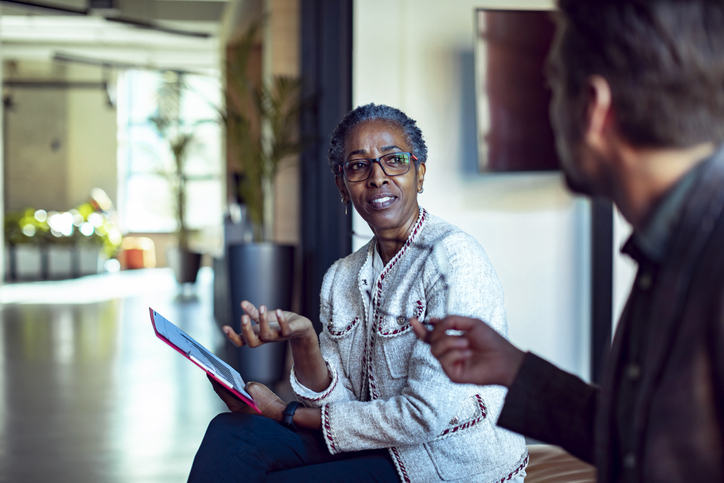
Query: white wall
{"type": "Point", "coordinates": [624, 268]}
{"type": "Point", "coordinates": [36, 147]}
{"type": "Point", "coordinates": [417, 55]}
{"type": "Point", "coordinates": [92, 144]}
{"type": "Point", "coordinates": [61, 141]}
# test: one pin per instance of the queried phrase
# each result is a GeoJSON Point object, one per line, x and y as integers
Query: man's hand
{"type": "Point", "coordinates": [268, 403]}
{"type": "Point", "coordinates": [477, 356]}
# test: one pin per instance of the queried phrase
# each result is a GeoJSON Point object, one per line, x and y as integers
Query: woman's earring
{"type": "Point", "coordinates": [420, 190]}
{"type": "Point", "coordinates": [345, 205]}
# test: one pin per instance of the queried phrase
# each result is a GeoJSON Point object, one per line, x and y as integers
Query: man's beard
{"type": "Point", "coordinates": [576, 181]}
{"type": "Point", "coordinates": [578, 186]}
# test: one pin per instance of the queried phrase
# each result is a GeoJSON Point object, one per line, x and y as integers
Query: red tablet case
{"type": "Point", "coordinates": [238, 392]}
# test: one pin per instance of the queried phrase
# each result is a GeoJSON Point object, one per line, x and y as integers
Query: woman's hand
{"type": "Point", "coordinates": [268, 403]}
{"type": "Point", "coordinates": [309, 366]}
{"type": "Point", "coordinates": [270, 327]}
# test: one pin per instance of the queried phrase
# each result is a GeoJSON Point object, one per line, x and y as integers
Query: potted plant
{"type": "Point", "coordinates": [179, 135]}
{"type": "Point", "coordinates": [261, 120]}
{"type": "Point", "coordinates": [25, 235]}
{"type": "Point", "coordinates": [50, 245]}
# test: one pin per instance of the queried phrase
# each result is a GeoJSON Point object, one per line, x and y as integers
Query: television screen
{"type": "Point", "coordinates": [514, 131]}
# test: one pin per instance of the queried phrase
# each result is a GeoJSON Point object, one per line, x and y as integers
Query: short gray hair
{"type": "Point", "coordinates": [373, 112]}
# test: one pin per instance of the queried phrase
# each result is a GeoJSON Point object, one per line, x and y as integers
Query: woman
{"type": "Point", "coordinates": [376, 404]}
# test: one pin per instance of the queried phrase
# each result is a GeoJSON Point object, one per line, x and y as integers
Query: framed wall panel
{"type": "Point", "coordinates": [514, 131]}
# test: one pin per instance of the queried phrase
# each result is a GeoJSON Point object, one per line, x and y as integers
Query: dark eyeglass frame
{"type": "Point", "coordinates": [378, 161]}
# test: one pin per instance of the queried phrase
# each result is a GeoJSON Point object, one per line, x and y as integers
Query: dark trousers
{"type": "Point", "coordinates": [251, 448]}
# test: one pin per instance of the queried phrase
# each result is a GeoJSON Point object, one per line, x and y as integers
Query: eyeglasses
{"type": "Point", "coordinates": [394, 164]}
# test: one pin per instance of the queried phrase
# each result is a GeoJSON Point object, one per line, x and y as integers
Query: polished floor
{"type": "Point", "coordinates": [87, 391]}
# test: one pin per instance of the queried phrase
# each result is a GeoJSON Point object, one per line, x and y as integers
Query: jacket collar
{"type": "Point", "coordinates": [653, 240]}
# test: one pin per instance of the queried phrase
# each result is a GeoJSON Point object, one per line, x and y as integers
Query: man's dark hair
{"type": "Point", "coordinates": [664, 61]}
{"type": "Point", "coordinates": [372, 112]}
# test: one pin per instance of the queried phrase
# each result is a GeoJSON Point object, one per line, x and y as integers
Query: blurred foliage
{"type": "Point", "coordinates": [261, 120]}
{"type": "Point", "coordinates": [84, 225]}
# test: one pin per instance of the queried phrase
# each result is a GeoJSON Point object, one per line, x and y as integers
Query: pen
{"type": "Point", "coordinates": [431, 325]}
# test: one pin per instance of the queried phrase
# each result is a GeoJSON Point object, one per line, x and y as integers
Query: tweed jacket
{"type": "Point", "coordinates": [387, 390]}
{"type": "Point", "coordinates": [678, 418]}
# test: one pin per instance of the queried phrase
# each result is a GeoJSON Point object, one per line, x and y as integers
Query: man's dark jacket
{"type": "Point", "coordinates": [678, 420]}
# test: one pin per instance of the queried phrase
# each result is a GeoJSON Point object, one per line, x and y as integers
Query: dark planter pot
{"type": "Point", "coordinates": [185, 265]}
{"type": "Point", "coordinates": [261, 273]}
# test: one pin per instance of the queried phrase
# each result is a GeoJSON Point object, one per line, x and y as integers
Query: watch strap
{"type": "Point", "coordinates": [288, 416]}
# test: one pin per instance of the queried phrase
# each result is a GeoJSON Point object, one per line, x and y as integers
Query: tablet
{"type": "Point", "coordinates": [199, 355]}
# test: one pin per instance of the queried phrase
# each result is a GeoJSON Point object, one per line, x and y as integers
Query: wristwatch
{"type": "Point", "coordinates": [288, 416]}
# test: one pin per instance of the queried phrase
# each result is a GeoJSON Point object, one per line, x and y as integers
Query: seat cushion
{"type": "Point", "coordinates": [552, 464]}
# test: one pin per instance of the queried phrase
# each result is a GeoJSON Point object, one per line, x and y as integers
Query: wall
{"type": "Point", "coordinates": [418, 55]}
{"type": "Point", "coordinates": [35, 135]}
{"type": "Point", "coordinates": [61, 140]}
{"type": "Point", "coordinates": [92, 138]}
{"type": "Point", "coordinates": [624, 268]}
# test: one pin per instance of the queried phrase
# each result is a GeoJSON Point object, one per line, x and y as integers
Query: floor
{"type": "Point", "coordinates": [88, 393]}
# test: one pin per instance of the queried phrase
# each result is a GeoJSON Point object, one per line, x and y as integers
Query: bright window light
{"type": "Point", "coordinates": [145, 195]}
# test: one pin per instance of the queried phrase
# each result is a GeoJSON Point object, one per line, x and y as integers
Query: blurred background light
{"type": "Point", "coordinates": [86, 229]}
{"type": "Point", "coordinates": [95, 219]}
{"type": "Point", "coordinates": [29, 230]}
{"type": "Point", "coordinates": [41, 215]}
{"type": "Point", "coordinates": [112, 265]}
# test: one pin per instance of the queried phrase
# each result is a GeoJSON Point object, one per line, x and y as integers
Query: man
{"type": "Point", "coordinates": [638, 111]}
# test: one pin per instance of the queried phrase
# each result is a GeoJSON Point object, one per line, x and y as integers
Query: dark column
{"type": "Point", "coordinates": [601, 285]}
{"type": "Point", "coordinates": [327, 75]}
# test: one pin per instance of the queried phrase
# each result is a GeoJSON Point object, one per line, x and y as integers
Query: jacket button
{"type": "Point", "coordinates": [629, 461]}
{"type": "Point", "coordinates": [401, 320]}
{"type": "Point", "coordinates": [633, 371]}
{"type": "Point", "coordinates": [645, 281]}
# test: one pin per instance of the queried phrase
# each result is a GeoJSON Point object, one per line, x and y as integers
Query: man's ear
{"type": "Point", "coordinates": [599, 112]}
{"type": "Point", "coordinates": [342, 189]}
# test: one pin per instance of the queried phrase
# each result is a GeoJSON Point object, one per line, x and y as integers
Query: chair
{"type": "Point", "coordinates": [552, 464]}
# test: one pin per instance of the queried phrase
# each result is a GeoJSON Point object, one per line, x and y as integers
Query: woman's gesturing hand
{"type": "Point", "coordinates": [270, 327]}
{"type": "Point", "coordinates": [475, 354]}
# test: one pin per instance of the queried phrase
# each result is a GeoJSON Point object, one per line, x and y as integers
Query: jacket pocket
{"type": "Point", "coordinates": [339, 330]}
{"type": "Point", "coordinates": [396, 323]}
{"type": "Point", "coordinates": [460, 450]}
{"type": "Point", "coordinates": [394, 333]}
{"type": "Point", "coordinates": [397, 350]}
{"type": "Point", "coordinates": [461, 455]}
{"type": "Point", "coordinates": [342, 334]}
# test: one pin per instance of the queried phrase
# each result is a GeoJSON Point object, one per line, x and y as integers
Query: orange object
{"type": "Point", "coordinates": [137, 252]}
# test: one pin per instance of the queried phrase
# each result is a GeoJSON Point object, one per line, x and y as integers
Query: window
{"type": "Point", "coordinates": [146, 202]}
